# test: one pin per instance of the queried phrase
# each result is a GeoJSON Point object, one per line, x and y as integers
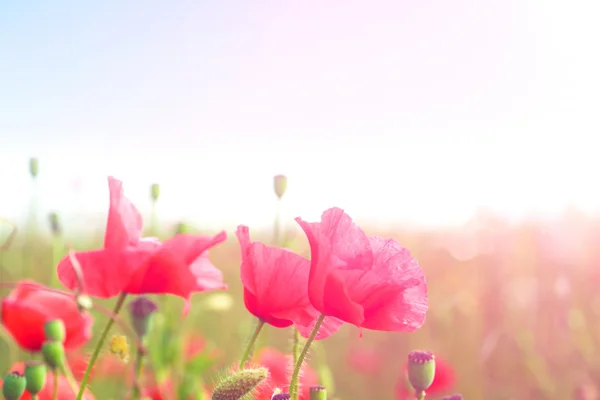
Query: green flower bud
{"type": "Point", "coordinates": [239, 384]}
{"type": "Point", "coordinates": [35, 374]}
{"type": "Point", "coordinates": [280, 184]}
{"type": "Point", "coordinates": [318, 393]}
{"type": "Point", "coordinates": [13, 386]}
{"type": "Point", "coordinates": [55, 330]}
{"type": "Point", "coordinates": [154, 192]}
{"type": "Point", "coordinates": [34, 167]}
{"type": "Point", "coordinates": [141, 311]}
{"type": "Point", "coordinates": [421, 370]}
{"type": "Point", "coordinates": [54, 354]}
{"type": "Point", "coordinates": [181, 228]}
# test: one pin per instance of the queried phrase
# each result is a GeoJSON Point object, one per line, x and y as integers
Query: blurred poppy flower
{"type": "Point", "coordinates": [372, 283]}
{"type": "Point", "coordinates": [64, 389]}
{"type": "Point", "coordinates": [30, 305]}
{"type": "Point", "coordinates": [132, 264]}
{"type": "Point", "coordinates": [165, 391]}
{"type": "Point", "coordinates": [280, 372]}
{"type": "Point", "coordinates": [276, 287]}
{"type": "Point", "coordinates": [365, 361]}
{"type": "Point", "coordinates": [443, 382]}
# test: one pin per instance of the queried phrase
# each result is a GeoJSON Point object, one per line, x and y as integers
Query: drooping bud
{"type": "Point", "coordinates": [236, 386]}
{"type": "Point", "coordinates": [318, 393]}
{"type": "Point", "coordinates": [281, 396]}
{"type": "Point", "coordinates": [54, 222]}
{"type": "Point", "coordinates": [54, 353]}
{"type": "Point", "coordinates": [34, 167]}
{"type": "Point", "coordinates": [55, 330]}
{"type": "Point", "coordinates": [14, 386]}
{"type": "Point", "coordinates": [141, 311]}
{"type": "Point", "coordinates": [35, 375]}
{"type": "Point", "coordinates": [456, 396]}
{"type": "Point", "coordinates": [154, 192]}
{"type": "Point", "coordinates": [421, 370]}
{"type": "Point", "coordinates": [280, 184]}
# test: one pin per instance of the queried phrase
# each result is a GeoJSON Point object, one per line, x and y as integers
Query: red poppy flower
{"type": "Point", "coordinates": [365, 361]}
{"type": "Point", "coordinates": [64, 389]}
{"type": "Point", "coordinates": [132, 264]}
{"type": "Point", "coordinates": [372, 283]}
{"type": "Point", "coordinates": [276, 287]}
{"type": "Point", "coordinates": [443, 382]}
{"type": "Point", "coordinates": [280, 372]}
{"type": "Point", "coordinates": [30, 305]}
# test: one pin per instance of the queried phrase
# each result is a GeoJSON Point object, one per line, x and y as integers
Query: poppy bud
{"type": "Point", "coordinates": [54, 353]}
{"type": "Point", "coordinates": [421, 370]}
{"type": "Point", "coordinates": [318, 393]}
{"type": "Point", "coordinates": [35, 375]}
{"type": "Point", "coordinates": [154, 192]}
{"type": "Point", "coordinates": [239, 384]}
{"type": "Point", "coordinates": [34, 167]}
{"type": "Point", "coordinates": [281, 396]}
{"type": "Point", "coordinates": [14, 386]}
{"type": "Point", "coordinates": [141, 311]}
{"type": "Point", "coordinates": [55, 227]}
{"type": "Point", "coordinates": [84, 302]}
{"type": "Point", "coordinates": [181, 228]}
{"type": "Point", "coordinates": [456, 396]}
{"type": "Point", "coordinates": [280, 184]}
{"type": "Point", "coordinates": [55, 330]}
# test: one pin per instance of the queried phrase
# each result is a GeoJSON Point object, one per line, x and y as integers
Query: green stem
{"type": "Point", "coordinates": [420, 394]}
{"type": "Point", "coordinates": [137, 374]}
{"type": "Point", "coordinates": [66, 370]}
{"type": "Point", "coordinates": [55, 388]}
{"type": "Point", "coordinates": [303, 353]}
{"type": "Point", "coordinates": [251, 343]}
{"type": "Point", "coordinates": [296, 345]}
{"type": "Point", "coordinates": [96, 353]}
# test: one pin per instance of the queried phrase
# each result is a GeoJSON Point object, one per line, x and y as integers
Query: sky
{"type": "Point", "coordinates": [418, 112]}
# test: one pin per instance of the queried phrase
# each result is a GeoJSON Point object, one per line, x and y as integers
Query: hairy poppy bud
{"type": "Point", "coordinates": [13, 386]}
{"type": "Point", "coordinates": [239, 384]}
{"type": "Point", "coordinates": [421, 370]}
{"type": "Point", "coordinates": [54, 353]}
{"type": "Point", "coordinates": [35, 375]}
{"type": "Point", "coordinates": [318, 393]}
{"type": "Point", "coordinates": [141, 311]}
{"type": "Point", "coordinates": [54, 222]}
{"type": "Point", "coordinates": [280, 185]}
{"type": "Point", "coordinates": [281, 396]}
{"type": "Point", "coordinates": [456, 396]}
{"type": "Point", "coordinates": [154, 192]}
{"type": "Point", "coordinates": [55, 330]}
{"type": "Point", "coordinates": [34, 167]}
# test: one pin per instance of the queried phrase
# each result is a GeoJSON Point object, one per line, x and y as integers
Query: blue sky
{"type": "Point", "coordinates": [417, 111]}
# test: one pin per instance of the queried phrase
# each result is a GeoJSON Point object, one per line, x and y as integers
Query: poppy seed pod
{"type": "Point", "coordinates": [34, 167]}
{"type": "Point", "coordinates": [54, 353]}
{"type": "Point", "coordinates": [421, 370]}
{"type": "Point", "coordinates": [280, 184]}
{"type": "Point", "coordinates": [239, 384]}
{"type": "Point", "coordinates": [318, 393]}
{"type": "Point", "coordinates": [14, 386]}
{"type": "Point", "coordinates": [141, 311]}
{"type": "Point", "coordinates": [35, 375]}
{"type": "Point", "coordinates": [55, 330]}
{"type": "Point", "coordinates": [155, 192]}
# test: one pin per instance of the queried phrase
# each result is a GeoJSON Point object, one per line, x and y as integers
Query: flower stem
{"type": "Point", "coordinates": [303, 353]}
{"type": "Point", "coordinates": [98, 347]}
{"type": "Point", "coordinates": [66, 370]}
{"type": "Point", "coordinates": [139, 363]}
{"type": "Point", "coordinates": [55, 388]}
{"type": "Point", "coordinates": [296, 345]}
{"type": "Point", "coordinates": [420, 394]}
{"type": "Point", "coordinates": [251, 343]}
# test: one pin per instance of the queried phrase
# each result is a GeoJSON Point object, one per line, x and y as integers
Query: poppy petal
{"type": "Point", "coordinates": [124, 224]}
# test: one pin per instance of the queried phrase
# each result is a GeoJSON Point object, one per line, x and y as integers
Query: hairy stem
{"type": "Point", "coordinates": [139, 363]}
{"type": "Point", "coordinates": [251, 343]}
{"type": "Point", "coordinates": [303, 353]}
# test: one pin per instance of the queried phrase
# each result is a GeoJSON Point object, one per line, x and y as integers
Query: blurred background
{"type": "Point", "coordinates": [465, 129]}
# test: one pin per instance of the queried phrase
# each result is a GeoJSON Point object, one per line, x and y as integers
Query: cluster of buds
{"type": "Point", "coordinates": [33, 379]}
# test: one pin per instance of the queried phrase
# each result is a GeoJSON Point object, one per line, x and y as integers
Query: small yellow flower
{"type": "Point", "coordinates": [119, 347]}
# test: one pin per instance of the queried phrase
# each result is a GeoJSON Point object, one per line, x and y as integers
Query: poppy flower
{"type": "Point", "coordinates": [276, 287]}
{"type": "Point", "coordinates": [280, 372]}
{"type": "Point", "coordinates": [64, 389]}
{"type": "Point", "coordinates": [30, 305]}
{"type": "Point", "coordinates": [132, 264]}
{"type": "Point", "coordinates": [373, 283]}
{"type": "Point", "coordinates": [365, 361]}
{"type": "Point", "coordinates": [443, 381]}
